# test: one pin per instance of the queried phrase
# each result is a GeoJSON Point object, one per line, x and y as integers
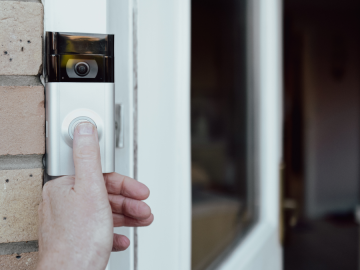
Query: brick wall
{"type": "Point", "coordinates": [22, 117]}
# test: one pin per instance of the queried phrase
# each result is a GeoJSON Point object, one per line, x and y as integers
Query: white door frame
{"type": "Point", "coordinates": [164, 132]}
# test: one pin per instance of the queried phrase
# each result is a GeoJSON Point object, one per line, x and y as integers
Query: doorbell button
{"type": "Point", "coordinates": [76, 122]}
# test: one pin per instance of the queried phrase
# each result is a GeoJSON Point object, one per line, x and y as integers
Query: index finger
{"type": "Point", "coordinates": [123, 185]}
{"type": "Point", "coordinates": [86, 153]}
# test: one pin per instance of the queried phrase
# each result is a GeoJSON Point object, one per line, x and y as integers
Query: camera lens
{"type": "Point", "coordinates": [82, 69]}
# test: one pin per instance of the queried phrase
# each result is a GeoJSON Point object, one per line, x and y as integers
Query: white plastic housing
{"type": "Point", "coordinates": [64, 103]}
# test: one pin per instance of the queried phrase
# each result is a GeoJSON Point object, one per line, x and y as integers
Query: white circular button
{"type": "Point", "coordinates": [77, 121]}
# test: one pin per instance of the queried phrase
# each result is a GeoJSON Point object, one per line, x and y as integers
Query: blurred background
{"type": "Point", "coordinates": [321, 132]}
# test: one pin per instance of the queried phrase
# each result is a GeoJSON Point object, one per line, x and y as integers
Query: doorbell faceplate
{"type": "Point", "coordinates": [79, 87]}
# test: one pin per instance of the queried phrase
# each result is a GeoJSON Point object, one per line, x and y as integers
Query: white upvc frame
{"type": "Point", "coordinates": [164, 132]}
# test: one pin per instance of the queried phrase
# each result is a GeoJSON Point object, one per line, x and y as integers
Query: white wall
{"type": "Point", "coordinates": [331, 118]}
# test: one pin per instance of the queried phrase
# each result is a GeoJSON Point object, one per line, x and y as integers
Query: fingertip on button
{"type": "Point", "coordinates": [84, 128]}
{"type": "Point", "coordinates": [87, 129]}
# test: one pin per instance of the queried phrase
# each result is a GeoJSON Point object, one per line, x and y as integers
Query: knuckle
{"type": "Point", "coordinates": [134, 207]}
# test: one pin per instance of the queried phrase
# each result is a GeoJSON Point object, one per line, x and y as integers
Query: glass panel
{"type": "Point", "coordinates": [222, 129]}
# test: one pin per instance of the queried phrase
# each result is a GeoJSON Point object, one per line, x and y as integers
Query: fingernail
{"type": "Point", "coordinates": [85, 128]}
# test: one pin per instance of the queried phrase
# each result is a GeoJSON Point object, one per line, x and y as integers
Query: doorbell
{"type": "Point", "coordinates": [79, 87]}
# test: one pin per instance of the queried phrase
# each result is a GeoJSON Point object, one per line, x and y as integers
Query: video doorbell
{"type": "Point", "coordinates": [79, 87]}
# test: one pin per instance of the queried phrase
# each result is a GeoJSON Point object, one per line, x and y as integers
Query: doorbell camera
{"type": "Point", "coordinates": [79, 87]}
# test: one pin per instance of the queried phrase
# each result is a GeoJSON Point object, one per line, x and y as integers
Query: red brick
{"type": "Point", "coordinates": [21, 27]}
{"type": "Point", "coordinates": [22, 120]}
{"type": "Point", "coordinates": [20, 196]}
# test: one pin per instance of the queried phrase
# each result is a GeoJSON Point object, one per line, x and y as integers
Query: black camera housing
{"type": "Point", "coordinates": [66, 50]}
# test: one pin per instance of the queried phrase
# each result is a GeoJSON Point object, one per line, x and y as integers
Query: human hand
{"type": "Point", "coordinates": [78, 213]}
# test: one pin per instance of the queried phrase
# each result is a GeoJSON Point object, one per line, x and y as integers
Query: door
{"type": "Point", "coordinates": [165, 134]}
{"type": "Point", "coordinates": [152, 80]}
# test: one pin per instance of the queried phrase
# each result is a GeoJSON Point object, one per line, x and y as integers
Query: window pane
{"type": "Point", "coordinates": [222, 120]}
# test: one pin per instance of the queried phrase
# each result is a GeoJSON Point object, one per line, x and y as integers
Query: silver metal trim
{"type": "Point", "coordinates": [119, 126]}
{"type": "Point", "coordinates": [65, 104]}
